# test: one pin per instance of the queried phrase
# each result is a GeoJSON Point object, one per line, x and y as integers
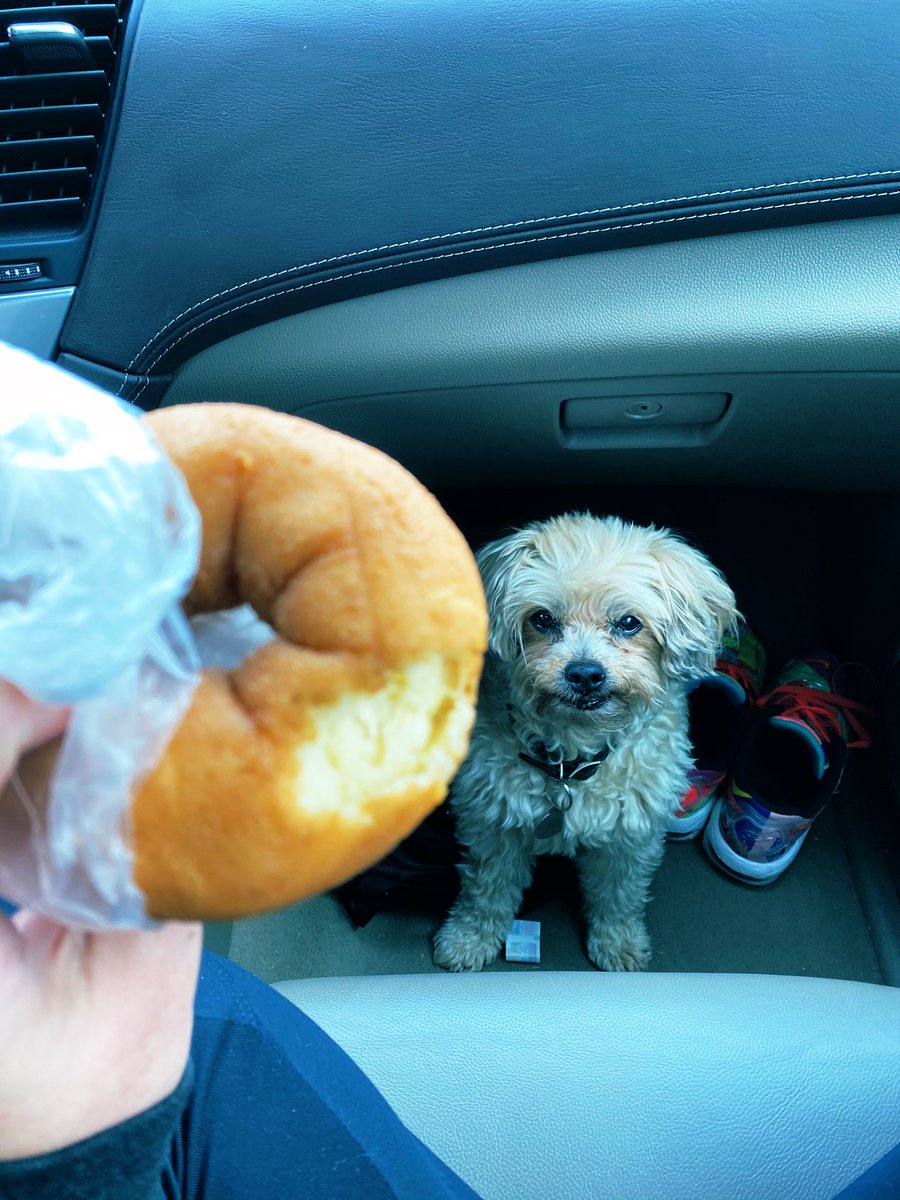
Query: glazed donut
{"type": "Point", "coordinates": [327, 746]}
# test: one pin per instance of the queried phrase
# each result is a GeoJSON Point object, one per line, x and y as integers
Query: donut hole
{"type": "Point", "coordinates": [224, 639]}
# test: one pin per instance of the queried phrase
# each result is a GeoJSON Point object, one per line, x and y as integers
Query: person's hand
{"type": "Point", "coordinates": [94, 1027]}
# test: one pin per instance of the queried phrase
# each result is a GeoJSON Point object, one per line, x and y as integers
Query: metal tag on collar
{"type": "Point", "coordinates": [552, 822]}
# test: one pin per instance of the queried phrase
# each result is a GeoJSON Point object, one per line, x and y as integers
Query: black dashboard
{"type": "Point", "coordinates": [197, 170]}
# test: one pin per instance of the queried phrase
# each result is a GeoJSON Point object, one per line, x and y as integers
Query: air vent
{"type": "Point", "coordinates": [55, 86]}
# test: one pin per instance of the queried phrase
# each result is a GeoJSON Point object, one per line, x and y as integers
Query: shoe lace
{"type": "Point", "coordinates": [819, 710]}
{"type": "Point", "coordinates": [737, 671]}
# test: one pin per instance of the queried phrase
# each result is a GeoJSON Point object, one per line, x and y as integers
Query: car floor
{"type": "Point", "coordinates": [834, 913]}
{"type": "Point", "coordinates": [812, 921]}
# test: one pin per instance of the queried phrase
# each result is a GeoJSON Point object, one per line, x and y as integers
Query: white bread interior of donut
{"type": "Point", "coordinates": [326, 747]}
{"type": "Point", "coordinates": [413, 730]}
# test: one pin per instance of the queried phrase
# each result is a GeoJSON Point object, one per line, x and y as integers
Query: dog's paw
{"type": "Point", "coordinates": [619, 948]}
{"type": "Point", "coordinates": [463, 950]}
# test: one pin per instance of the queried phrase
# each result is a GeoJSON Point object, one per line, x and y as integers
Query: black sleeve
{"type": "Point", "coordinates": [122, 1163]}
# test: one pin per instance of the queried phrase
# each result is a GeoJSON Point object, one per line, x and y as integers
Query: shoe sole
{"type": "Point", "coordinates": [758, 874]}
{"type": "Point", "coordinates": [684, 829]}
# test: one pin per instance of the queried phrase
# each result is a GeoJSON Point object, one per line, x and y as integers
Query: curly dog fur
{"type": "Point", "coordinates": [598, 628]}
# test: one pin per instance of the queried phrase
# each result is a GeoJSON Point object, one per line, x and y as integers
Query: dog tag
{"type": "Point", "coordinates": [549, 825]}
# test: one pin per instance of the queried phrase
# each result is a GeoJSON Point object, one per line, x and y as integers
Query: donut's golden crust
{"type": "Point", "coordinates": [375, 597]}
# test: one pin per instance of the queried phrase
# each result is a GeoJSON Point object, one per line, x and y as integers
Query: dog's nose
{"type": "Point", "coordinates": [585, 675]}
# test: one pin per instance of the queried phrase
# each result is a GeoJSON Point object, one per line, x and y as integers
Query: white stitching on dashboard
{"type": "Point", "coordinates": [494, 229]}
{"type": "Point", "coordinates": [475, 250]}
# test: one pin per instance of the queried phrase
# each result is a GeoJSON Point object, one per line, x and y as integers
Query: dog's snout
{"type": "Point", "coordinates": [585, 675]}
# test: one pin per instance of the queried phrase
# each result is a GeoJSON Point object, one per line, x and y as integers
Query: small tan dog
{"type": "Point", "coordinates": [580, 747]}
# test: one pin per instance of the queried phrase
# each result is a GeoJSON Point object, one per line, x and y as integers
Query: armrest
{"type": "Point", "coordinates": [579, 1085]}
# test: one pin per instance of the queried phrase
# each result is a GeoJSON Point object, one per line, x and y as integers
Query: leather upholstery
{"type": "Point", "coordinates": [639, 1087]}
{"type": "Point", "coordinates": [272, 157]}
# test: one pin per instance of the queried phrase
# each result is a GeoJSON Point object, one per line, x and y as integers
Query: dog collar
{"type": "Point", "coordinates": [558, 769]}
{"type": "Point", "coordinates": [578, 769]}
{"type": "Point", "coordinates": [562, 772]}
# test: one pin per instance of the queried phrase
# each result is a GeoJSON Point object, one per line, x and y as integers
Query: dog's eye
{"type": "Point", "coordinates": [543, 621]}
{"type": "Point", "coordinates": [629, 625]}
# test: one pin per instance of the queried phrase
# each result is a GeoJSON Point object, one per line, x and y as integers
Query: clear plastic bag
{"type": "Point", "coordinates": [99, 542]}
{"type": "Point", "coordinates": [225, 639]}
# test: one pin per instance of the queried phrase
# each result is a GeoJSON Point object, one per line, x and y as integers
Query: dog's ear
{"type": "Point", "coordinates": [500, 563]}
{"type": "Point", "coordinates": [700, 608]}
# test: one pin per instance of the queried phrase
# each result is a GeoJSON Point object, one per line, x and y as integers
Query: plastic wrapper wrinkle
{"type": "Point", "coordinates": [99, 543]}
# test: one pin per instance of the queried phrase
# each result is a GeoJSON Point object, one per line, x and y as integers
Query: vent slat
{"type": "Point", "coordinates": [51, 117]}
{"type": "Point", "coordinates": [65, 119]}
{"type": "Point", "coordinates": [100, 48]}
{"type": "Point", "coordinates": [16, 10]}
{"type": "Point", "coordinates": [40, 153]}
{"type": "Point", "coordinates": [71, 87]}
{"type": "Point", "coordinates": [42, 214]}
{"type": "Point", "coordinates": [17, 5]}
{"type": "Point", "coordinates": [63, 183]}
{"type": "Point", "coordinates": [7, 5]}
{"type": "Point", "coordinates": [89, 18]}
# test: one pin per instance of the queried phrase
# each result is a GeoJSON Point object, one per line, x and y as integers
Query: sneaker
{"type": "Point", "coordinates": [719, 709]}
{"type": "Point", "coordinates": [789, 766]}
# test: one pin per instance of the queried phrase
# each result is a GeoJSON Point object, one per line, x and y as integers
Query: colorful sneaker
{"type": "Point", "coordinates": [789, 766]}
{"type": "Point", "coordinates": [719, 710]}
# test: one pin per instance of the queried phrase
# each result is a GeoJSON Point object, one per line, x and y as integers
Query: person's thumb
{"type": "Point", "coordinates": [24, 723]}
